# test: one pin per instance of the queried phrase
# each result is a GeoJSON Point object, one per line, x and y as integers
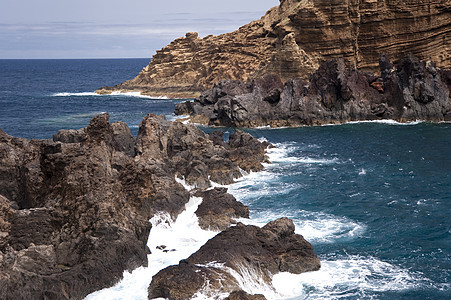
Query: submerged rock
{"type": "Point", "coordinates": [74, 212]}
{"type": "Point", "coordinates": [412, 90]}
{"type": "Point", "coordinates": [237, 251]}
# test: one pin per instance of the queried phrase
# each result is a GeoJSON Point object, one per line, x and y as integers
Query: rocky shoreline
{"type": "Point", "coordinates": [410, 90]}
{"type": "Point", "coordinates": [74, 212]}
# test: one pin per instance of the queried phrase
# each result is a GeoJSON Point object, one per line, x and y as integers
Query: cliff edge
{"type": "Point", "coordinates": [292, 39]}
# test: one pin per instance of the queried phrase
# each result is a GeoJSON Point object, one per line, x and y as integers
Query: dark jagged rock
{"type": "Point", "coordinates": [409, 91]}
{"type": "Point", "coordinates": [242, 295]}
{"type": "Point", "coordinates": [218, 209]}
{"type": "Point", "coordinates": [70, 135]}
{"type": "Point", "coordinates": [247, 151]}
{"type": "Point", "coordinates": [186, 279]}
{"type": "Point", "coordinates": [263, 251]}
{"type": "Point", "coordinates": [74, 212]}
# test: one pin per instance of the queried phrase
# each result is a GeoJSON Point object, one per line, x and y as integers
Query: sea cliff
{"type": "Point", "coordinates": [291, 41]}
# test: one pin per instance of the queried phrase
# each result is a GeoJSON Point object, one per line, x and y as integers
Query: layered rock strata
{"type": "Point", "coordinates": [74, 212]}
{"type": "Point", "coordinates": [263, 252]}
{"type": "Point", "coordinates": [409, 91]}
{"type": "Point", "coordinates": [292, 39]}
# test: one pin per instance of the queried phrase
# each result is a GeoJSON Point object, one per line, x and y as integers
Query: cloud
{"type": "Point", "coordinates": [139, 39]}
{"type": "Point", "coordinates": [158, 27]}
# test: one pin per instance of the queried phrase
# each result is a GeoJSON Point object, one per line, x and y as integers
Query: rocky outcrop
{"type": "Point", "coordinates": [215, 267]}
{"type": "Point", "coordinates": [219, 209]}
{"type": "Point", "coordinates": [409, 91]}
{"type": "Point", "coordinates": [292, 39]}
{"type": "Point", "coordinates": [74, 212]}
{"type": "Point", "coordinates": [242, 295]}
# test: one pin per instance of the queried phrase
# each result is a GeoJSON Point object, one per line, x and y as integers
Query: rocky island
{"type": "Point", "coordinates": [75, 210]}
{"type": "Point", "coordinates": [293, 39]}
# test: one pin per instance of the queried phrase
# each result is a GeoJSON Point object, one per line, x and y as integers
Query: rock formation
{"type": "Point", "coordinates": [262, 251]}
{"type": "Point", "coordinates": [219, 209]}
{"type": "Point", "coordinates": [74, 212]}
{"type": "Point", "coordinates": [292, 39]}
{"type": "Point", "coordinates": [412, 90]}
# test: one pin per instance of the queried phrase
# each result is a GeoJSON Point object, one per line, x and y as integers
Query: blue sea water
{"type": "Point", "coordinates": [374, 199]}
{"type": "Point", "coordinates": [39, 97]}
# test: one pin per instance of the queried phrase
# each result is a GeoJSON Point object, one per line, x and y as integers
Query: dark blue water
{"type": "Point", "coordinates": [373, 198]}
{"type": "Point", "coordinates": [39, 97]}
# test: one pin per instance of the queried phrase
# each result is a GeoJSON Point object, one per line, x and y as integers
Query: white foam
{"type": "Point", "coordinates": [309, 160]}
{"type": "Point", "coordinates": [352, 276]}
{"type": "Point", "coordinates": [315, 227]}
{"type": "Point", "coordinates": [285, 153]}
{"type": "Point", "coordinates": [274, 128]}
{"type": "Point", "coordinates": [82, 94]}
{"type": "Point", "coordinates": [169, 242]}
{"type": "Point", "coordinates": [173, 117]}
{"type": "Point", "coordinates": [281, 152]}
{"type": "Point", "coordinates": [251, 281]}
{"type": "Point", "coordinates": [116, 93]}
{"type": "Point", "coordinates": [258, 184]}
{"type": "Point", "coordinates": [138, 95]}
{"type": "Point", "coordinates": [387, 121]}
{"type": "Point", "coordinates": [185, 185]}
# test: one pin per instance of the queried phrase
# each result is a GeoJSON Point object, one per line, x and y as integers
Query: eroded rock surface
{"type": "Point", "coordinates": [215, 267]}
{"type": "Point", "coordinates": [409, 91]}
{"type": "Point", "coordinates": [219, 209]}
{"type": "Point", "coordinates": [74, 212]}
{"type": "Point", "coordinates": [292, 39]}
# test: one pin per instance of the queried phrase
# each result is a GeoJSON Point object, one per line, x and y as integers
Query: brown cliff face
{"type": "Point", "coordinates": [294, 37]}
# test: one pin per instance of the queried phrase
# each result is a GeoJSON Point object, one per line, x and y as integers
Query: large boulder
{"type": "Point", "coordinates": [215, 266]}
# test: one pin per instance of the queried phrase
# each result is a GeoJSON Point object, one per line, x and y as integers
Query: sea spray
{"type": "Point", "coordinates": [336, 276]}
{"type": "Point", "coordinates": [169, 242]}
{"type": "Point", "coordinates": [341, 275]}
{"type": "Point", "coordinates": [350, 276]}
{"type": "Point", "coordinates": [74, 94]}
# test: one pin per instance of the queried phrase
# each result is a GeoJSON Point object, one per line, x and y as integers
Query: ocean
{"type": "Point", "coordinates": [374, 198]}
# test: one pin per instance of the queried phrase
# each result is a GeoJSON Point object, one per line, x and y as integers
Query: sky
{"type": "Point", "coordinates": [113, 28]}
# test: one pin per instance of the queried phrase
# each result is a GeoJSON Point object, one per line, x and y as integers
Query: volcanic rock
{"type": "Point", "coordinates": [292, 39]}
{"type": "Point", "coordinates": [74, 212]}
{"type": "Point", "coordinates": [262, 252]}
{"type": "Point", "coordinates": [70, 135]}
{"type": "Point", "coordinates": [218, 209]}
{"type": "Point", "coordinates": [409, 91]}
{"type": "Point", "coordinates": [242, 295]}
